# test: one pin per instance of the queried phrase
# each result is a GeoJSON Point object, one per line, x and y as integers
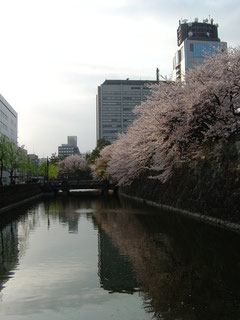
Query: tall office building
{"type": "Point", "coordinates": [195, 40]}
{"type": "Point", "coordinates": [8, 120]}
{"type": "Point", "coordinates": [116, 100]}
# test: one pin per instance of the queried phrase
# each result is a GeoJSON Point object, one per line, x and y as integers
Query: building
{"type": "Point", "coordinates": [33, 158]}
{"type": "Point", "coordinates": [8, 120]}
{"type": "Point", "coordinates": [70, 148]}
{"type": "Point", "coordinates": [72, 141]}
{"type": "Point", "coordinates": [8, 127]}
{"type": "Point", "coordinates": [116, 100]}
{"type": "Point", "coordinates": [195, 40]}
{"type": "Point", "coordinates": [114, 269]}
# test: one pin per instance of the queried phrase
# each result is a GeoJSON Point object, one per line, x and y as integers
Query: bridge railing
{"type": "Point", "coordinates": [82, 184]}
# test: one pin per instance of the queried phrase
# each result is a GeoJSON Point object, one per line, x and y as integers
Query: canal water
{"type": "Point", "coordinates": [86, 258]}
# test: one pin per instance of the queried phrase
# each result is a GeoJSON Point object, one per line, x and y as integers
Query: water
{"type": "Point", "coordinates": [92, 258]}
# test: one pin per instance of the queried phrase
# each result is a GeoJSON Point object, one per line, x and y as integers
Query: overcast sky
{"type": "Point", "coordinates": [54, 54]}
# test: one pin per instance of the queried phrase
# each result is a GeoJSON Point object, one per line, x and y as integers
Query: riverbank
{"type": "Point", "coordinates": [195, 215]}
{"type": "Point", "coordinates": [208, 191]}
{"type": "Point", "coordinates": [12, 194]}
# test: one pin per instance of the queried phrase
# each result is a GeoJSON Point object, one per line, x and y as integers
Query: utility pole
{"type": "Point", "coordinates": [47, 166]}
{"type": "Point", "coordinates": [157, 75]}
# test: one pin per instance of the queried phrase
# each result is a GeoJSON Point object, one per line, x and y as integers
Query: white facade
{"type": "Point", "coordinates": [8, 120]}
{"type": "Point", "coordinates": [8, 126]}
{"type": "Point", "coordinates": [191, 53]}
{"type": "Point", "coordinates": [116, 100]}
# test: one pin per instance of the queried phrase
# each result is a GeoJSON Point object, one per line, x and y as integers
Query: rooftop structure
{"type": "Point", "coordinates": [195, 30]}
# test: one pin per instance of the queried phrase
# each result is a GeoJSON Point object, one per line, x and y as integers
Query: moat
{"type": "Point", "coordinates": [84, 257]}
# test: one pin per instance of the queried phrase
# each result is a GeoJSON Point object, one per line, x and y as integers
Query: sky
{"type": "Point", "coordinates": [55, 53]}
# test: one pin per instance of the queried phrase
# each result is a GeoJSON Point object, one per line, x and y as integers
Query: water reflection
{"type": "Point", "coordinates": [91, 255]}
{"type": "Point", "coordinates": [185, 268]}
{"type": "Point", "coordinates": [115, 270]}
{"type": "Point", "coordinates": [8, 252]}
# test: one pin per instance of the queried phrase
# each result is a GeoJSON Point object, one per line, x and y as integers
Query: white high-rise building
{"type": "Point", "coordinates": [8, 120]}
{"type": "Point", "coordinates": [8, 126]}
{"type": "Point", "coordinates": [116, 100]}
{"type": "Point", "coordinates": [195, 40]}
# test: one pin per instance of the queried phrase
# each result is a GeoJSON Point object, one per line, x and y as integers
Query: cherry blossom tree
{"type": "Point", "coordinates": [99, 167]}
{"type": "Point", "coordinates": [74, 165]}
{"type": "Point", "coordinates": [178, 120]}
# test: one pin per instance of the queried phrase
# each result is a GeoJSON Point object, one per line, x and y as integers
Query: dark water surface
{"type": "Point", "coordinates": [92, 258]}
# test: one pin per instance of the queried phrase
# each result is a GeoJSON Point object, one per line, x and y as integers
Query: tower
{"type": "Point", "coordinates": [195, 41]}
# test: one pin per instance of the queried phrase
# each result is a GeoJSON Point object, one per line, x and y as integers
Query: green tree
{"type": "Point", "coordinates": [54, 159]}
{"type": "Point", "coordinates": [3, 154]}
{"type": "Point", "coordinates": [48, 170]}
{"type": "Point", "coordinates": [12, 159]}
{"type": "Point", "coordinates": [101, 143]}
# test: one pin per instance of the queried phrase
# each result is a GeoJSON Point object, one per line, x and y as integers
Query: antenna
{"type": "Point", "coordinates": [157, 74]}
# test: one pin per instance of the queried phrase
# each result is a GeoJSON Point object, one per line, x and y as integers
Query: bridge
{"type": "Point", "coordinates": [67, 185]}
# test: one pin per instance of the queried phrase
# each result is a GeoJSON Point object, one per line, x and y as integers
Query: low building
{"type": "Point", "coordinates": [70, 148]}
{"type": "Point", "coordinates": [33, 158]}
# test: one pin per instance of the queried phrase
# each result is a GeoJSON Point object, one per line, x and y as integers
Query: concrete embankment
{"type": "Point", "coordinates": [209, 191]}
{"type": "Point", "coordinates": [14, 196]}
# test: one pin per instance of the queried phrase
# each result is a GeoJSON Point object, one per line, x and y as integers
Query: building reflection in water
{"type": "Point", "coordinates": [14, 239]}
{"type": "Point", "coordinates": [184, 271]}
{"type": "Point", "coordinates": [115, 270]}
{"type": "Point", "coordinates": [8, 252]}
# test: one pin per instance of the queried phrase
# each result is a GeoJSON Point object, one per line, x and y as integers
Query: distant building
{"type": "Point", "coordinates": [33, 158]}
{"type": "Point", "coordinates": [195, 40]}
{"type": "Point", "coordinates": [8, 127]}
{"type": "Point", "coordinates": [116, 100]}
{"type": "Point", "coordinates": [70, 148]}
{"type": "Point", "coordinates": [72, 141]}
{"type": "Point", "coordinates": [42, 160]}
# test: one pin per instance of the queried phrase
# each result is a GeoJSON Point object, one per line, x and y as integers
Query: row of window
{"type": "Point", "coordinates": [114, 106]}
{"type": "Point", "coordinates": [126, 91]}
{"type": "Point", "coordinates": [3, 115]}
{"type": "Point", "coordinates": [107, 131]}
{"type": "Point", "coordinates": [105, 114]}
{"type": "Point", "coordinates": [111, 98]}
{"type": "Point", "coordinates": [111, 126]}
{"type": "Point", "coordinates": [104, 98]}
{"type": "Point", "coordinates": [3, 126]}
{"type": "Point", "coordinates": [111, 120]}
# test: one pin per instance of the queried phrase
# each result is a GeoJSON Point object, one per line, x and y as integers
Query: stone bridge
{"type": "Point", "coordinates": [67, 185]}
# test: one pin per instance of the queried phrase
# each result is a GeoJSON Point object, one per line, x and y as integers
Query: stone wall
{"type": "Point", "coordinates": [15, 193]}
{"type": "Point", "coordinates": [212, 187]}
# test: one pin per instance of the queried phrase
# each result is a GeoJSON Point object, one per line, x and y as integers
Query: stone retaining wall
{"type": "Point", "coordinates": [12, 194]}
{"type": "Point", "coordinates": [211, 188]}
